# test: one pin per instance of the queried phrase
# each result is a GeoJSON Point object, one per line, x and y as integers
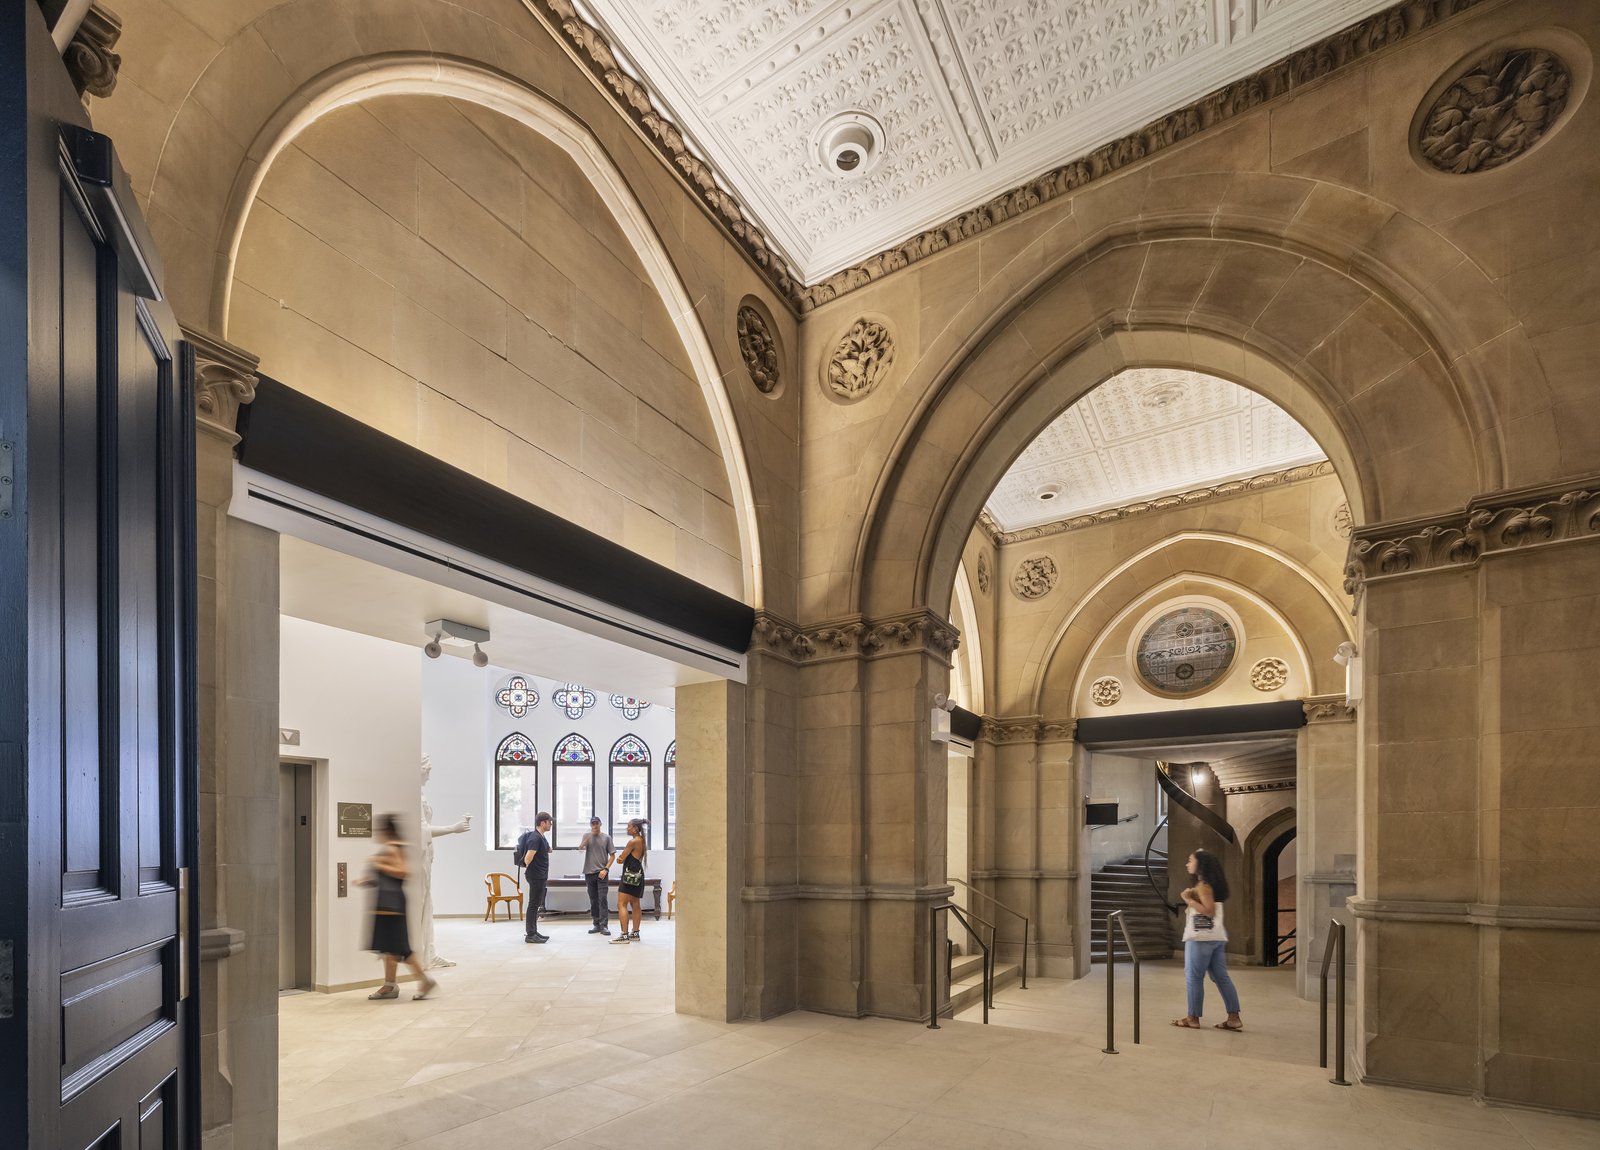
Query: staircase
{"type": "Point", "coordinates": [1123, 886]}
{"type": "Point", "coordinates": [966, 980]}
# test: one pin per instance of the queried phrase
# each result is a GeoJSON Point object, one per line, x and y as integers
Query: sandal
{"type": "Point", "coordinates": [1185, 1023]}
{"type": "Point", "coordinates": [1236, 1027]}
{"type": "Point", "coordinates": [429, 985]}
{"type": "Point", "coordinates": [387, 990]}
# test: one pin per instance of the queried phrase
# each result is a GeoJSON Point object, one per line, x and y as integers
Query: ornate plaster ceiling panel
{"type": "Point", "coordinates": [974, 96]}
{"type": "Point", "coordinates": [1145, 433]}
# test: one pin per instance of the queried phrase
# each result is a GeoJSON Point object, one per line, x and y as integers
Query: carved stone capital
{"type": "Point", "coordinates": [224, 379]}
{"type": "Point", "coordinates": [919, 629]}
{"type": "Point", "coordinates": [1328, 709]}
{"type": "Point", "coordinates": [1024, 729]}
{"type": "Point", "coordinates": [89, 59]}
{"type": "Point", "coordinates": [1058, 731]}
{"type": "Point", "coordinates": [855, 637]}
{"type": "Point", "coordinates": [1491, 525]}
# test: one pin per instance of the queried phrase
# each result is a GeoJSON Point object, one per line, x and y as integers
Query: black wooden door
{"type": "Point", "coordinates": [96, 606]}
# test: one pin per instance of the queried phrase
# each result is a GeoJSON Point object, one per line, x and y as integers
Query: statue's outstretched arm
{"type": "Point", "coordinates": [461, 826]}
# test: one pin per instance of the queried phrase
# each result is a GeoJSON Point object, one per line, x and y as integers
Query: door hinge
{"type": "Point", "coordinates": [8, 461]}
{"type": "Point", "coordinates": [183, 933]}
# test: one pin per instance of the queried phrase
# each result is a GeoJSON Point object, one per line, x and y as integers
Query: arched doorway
{"type": "Point", "coordinates": [1278, 903]}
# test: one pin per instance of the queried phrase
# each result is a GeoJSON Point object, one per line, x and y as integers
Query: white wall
{"type": "Point", "coordinates": [1130, 783]}
{"type": "Point", "coordinates": [354, 700]}
{"type": "Point", "coordinates": [462, 726]}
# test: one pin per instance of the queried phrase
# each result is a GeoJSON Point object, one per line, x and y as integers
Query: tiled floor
{"type": "Point", "coordinates": [574, 1045]}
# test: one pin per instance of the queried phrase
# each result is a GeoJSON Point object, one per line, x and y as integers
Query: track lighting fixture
{"type": "Point", "coordinates": [458, 635]}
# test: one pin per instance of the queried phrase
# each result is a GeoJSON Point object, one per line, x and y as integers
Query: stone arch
{"type": "Point", "coordinates": [1342, 351]}
{"type": "Point", "coordinates": [1252, 854]}
{"type": "Point", "coordinates": [1293, 590]}
{"type": "Point", "coordinates": [435, 57]}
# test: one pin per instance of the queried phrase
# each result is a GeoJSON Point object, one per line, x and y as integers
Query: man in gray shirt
{"type": "Point", "coordinates": [598, 855]}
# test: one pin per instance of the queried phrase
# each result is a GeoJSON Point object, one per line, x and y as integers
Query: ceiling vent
{"type": "Point", "coordinates": [849, 145]}
{"type": "Point", "coordinates": [1047, 492]}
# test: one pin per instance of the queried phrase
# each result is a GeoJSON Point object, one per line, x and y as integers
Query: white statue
{"type": "Point", "coordinates": [430, 957]}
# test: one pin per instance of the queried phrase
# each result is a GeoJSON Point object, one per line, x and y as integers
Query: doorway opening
{"type": "Point", "coordinates": [1278, 902]}
{"type": "Point", "coordinates": [296, 836]}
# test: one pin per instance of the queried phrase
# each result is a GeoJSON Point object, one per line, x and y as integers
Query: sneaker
{"type": "Point", "coordinates": [605, 930]}
{"type": "Point", "coordinates": [634, 936]}
{"type": "Point", "coordinates": [387, 990]}
{"type": "Point", "coordinates": [537, 938]}
{"type": "Point", "coordinates": [622, 941]}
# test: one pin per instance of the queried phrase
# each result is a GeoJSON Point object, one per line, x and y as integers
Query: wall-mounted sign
{"type": "Point", "coordinates": [288, 737]}
{"type": "Point", "coordinates": [355, 820]}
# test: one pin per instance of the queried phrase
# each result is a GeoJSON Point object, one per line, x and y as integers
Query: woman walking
{"type": "Point", "coordinates": [630, 887]}
{"type": "Point", "coordinates": [390, 938]}
{"type": "Point", "coordinates": [1205, 941]}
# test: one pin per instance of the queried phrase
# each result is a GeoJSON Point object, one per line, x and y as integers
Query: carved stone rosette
{"type": "Point", "coordinates": [1034, 577]}
{"type": "Point", "coordinates": [855, 637]}
{"type": "Point", "coordinates": [758, 349]}
{"type": "Point", "coordinates": [224, 379]}
{"type": "Point", "coordinates": [1106, 691]}
{"type": "Point", "coordinates": [861, 360]}
{"type": "Point", "coordinates": [1517, 520]}
{"type": "Point", "coordinates": [1270, 674]}
{"type": "Point", "coordinates": [1495, 111]}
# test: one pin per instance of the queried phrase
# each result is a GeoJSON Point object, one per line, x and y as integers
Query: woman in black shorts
{"type": "Point", "coordinates": [390, 938]}
{"type": "Point", "coordinates": [630, 888]}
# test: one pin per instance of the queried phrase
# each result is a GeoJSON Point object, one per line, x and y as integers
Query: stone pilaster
{"type": "Point", "coordinates": [1479, 898]}
{"type": "Point", "coordinates": [237, 640]}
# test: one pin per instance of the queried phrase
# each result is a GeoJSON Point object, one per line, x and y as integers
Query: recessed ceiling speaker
{"type": "Point", "coordinates": [849, 145]}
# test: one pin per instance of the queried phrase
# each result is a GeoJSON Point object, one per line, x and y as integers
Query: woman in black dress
{"type": "Point", "coordinates": [630, 887]}
{"type": "Point", "coordinates": [390, 937]}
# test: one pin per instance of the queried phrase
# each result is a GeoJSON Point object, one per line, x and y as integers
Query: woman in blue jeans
{"type": "Point", "coordinates": [1205, 941]}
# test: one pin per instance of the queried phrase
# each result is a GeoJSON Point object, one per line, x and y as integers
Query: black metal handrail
{"type": "Point", "coordinates": [1008, 910]}
{"type": "Point", "coordinates": [1111, 980]}
{"type": "Point", "coordinates": [1149, 871]}
{"type": "Point", "coordinates": [1207, 816]}
{"type": "Point", "coordinates": [933, 960]}
{"type": "Point", "coordinates": [1279, 951]}
{"type": "Point", "coordinates": [1334, 951]}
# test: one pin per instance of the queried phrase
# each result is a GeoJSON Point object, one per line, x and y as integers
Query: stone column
{"type": "Point", "coordinates": [237, 640]}
{"type": "Point", "coordinates": [1325, 833]}
{"type": "Point", "coordinates": [1479, 890]}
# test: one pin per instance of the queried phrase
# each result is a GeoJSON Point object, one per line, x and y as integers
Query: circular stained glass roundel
{"type": "Point", "coordinates": [1186, 651]}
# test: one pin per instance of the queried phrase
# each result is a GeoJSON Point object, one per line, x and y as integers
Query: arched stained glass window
{"type": "Point", "coordinates": [574, 791]}
{"type": "Point", "coordinates": [671, 811]}
{"type": "Point", "coordinates": [516, 763]}
{"type": "Point", "coordinates": [630, 784]}
{"type": "Point", "coordinates": [574, 749]}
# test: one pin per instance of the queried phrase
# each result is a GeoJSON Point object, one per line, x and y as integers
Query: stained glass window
{"type": "Point", "coordinates": [574, 803]}
{"type": "Point", "coordinates": [1186, 651]}
{"type": "Point", "coordinates": [573, 699]}
{"type": "Point", "coordinates": [514, 756]}
{"type": "Point", "coordinates": [671, 811]}
{"type": "Point", "coordinates": [574, 749]}
{"type": "Point", "coordinates": [516, 695]}
{"type": "Point", "coordinates": [630, 784]}
{"type": "Point", "coordinates": [630, 707]}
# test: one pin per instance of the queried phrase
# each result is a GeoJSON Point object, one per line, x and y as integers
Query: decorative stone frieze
{"type": "Point", "coordinates": [1106, 691]}
{"type": "Point", "coordinates": [985, 579]}
{"type": "Point", "coordinates": [758, 349]}
{"type": "Point", "coordinates": [861, 360]}
{"type": "Point", "coordinates": [224, 380]}
{"type": "Point", "coordinates": [1258, 788]}
{"type": "Point", "coordinates": [1517, 520]}
{"type": "Point", "coordinates": [1327, 709]}
{"type": "Point", "coordinates": [1496, 110]}
{"type": "Point", "coordinates": [89, 59]}
{"type": "Point", "coordinates": [1027, 729]}
{"type": "Point", "coordinates": [594, 53]}
{"type": "Point", "coordinates": [1269, 674]}
{"type": "Point", "coordinates": [855, 637]}
{"type": "Point", "coordinates": [1053, 731]}
{"type": "Point", "coordinates": [1034, 577]}
{"type": "Point", "coordinates": [1282, 478]}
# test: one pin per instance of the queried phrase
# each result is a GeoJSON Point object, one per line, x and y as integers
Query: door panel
{"type": "Point", "coordinates": [103, 460]}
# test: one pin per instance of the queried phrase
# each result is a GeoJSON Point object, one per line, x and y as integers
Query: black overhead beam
{"type": "Point", "coordinates": [292, 437]}
{"type": "Point", "coordinates": [1199, 724]}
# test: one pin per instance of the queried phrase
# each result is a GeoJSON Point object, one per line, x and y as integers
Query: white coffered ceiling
{"type": "Point", "coordinates": [1144, 433]}
{"type": "Point", "coordinates": [974, 96]}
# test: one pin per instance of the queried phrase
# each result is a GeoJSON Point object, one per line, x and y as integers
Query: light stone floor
{"type": "Point", "coordinates": [573, 1044]}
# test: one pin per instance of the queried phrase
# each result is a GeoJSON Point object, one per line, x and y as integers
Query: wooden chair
{"type": "Point", "coordinates": [672, 897]}
{"type": "Point", "coordinates": [497, 881]}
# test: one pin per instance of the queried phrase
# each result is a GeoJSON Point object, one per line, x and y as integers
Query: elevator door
{"type": "Point", "coordinates": [294, 867]}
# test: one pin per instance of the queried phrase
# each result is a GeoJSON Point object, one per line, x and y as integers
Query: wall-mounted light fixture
{"type": "Point", "coordinates": [1197, 777]}
{"type": "Point", "coordinates": [1349, 657]}
{"type": "Point", "coordinates": [440, 631]}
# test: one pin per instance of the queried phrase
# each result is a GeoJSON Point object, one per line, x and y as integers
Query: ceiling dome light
{"type": "Point", "coordinates": [1047, 492]}
{"type": "Point", "coordinates": [849, 145]}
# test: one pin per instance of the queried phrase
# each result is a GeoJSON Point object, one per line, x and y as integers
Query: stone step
{"type": "Point", "coordinates": [969, 990]}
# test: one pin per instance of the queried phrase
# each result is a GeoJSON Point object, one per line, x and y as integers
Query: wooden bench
{"type": "Point", "coordinates": [578, 882]}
